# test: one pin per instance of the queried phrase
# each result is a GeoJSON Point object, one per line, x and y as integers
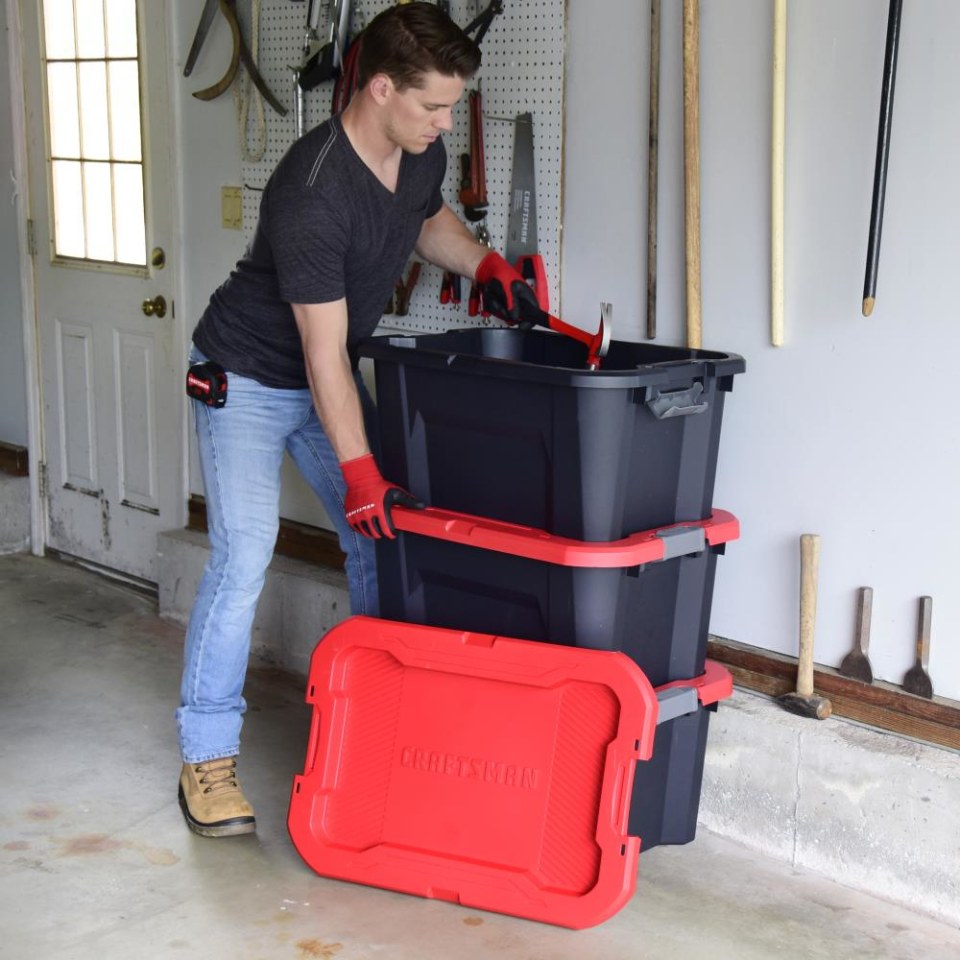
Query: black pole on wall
{"type": "Point", "coordinates": [883, 154]}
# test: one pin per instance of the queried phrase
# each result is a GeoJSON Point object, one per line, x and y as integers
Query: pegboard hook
{"type": "Point", "coordinates": [515, 120]}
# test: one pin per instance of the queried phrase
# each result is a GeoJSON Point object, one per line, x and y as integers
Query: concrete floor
{"type": "Point", "coordinates": [95, 861]}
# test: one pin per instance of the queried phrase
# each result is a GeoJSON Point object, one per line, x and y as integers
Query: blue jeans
{"type": "Point", "coordinates": [241, 449]}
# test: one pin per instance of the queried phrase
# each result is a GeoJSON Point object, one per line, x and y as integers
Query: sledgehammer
{"type": "Point", "coordinates": [803, 701]}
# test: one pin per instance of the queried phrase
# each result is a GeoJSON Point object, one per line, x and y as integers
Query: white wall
{"type": "Point", "coordinates": [850, 429]}
{"type": "Point", "coordinates": [210, 159]}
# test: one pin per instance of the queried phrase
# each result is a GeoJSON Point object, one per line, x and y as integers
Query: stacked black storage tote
{"type": "Point", "coordinates": [567, 506]}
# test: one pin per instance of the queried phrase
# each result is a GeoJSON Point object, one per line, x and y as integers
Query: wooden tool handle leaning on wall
{"type": "Point", "coordinates": [691, 167]}
{"type": "Point", "coordinates": [777, 146]}
{"type": "Point", "coordinates": [809, 572]}
{"type": "Point", "coordinates": [803, 701]}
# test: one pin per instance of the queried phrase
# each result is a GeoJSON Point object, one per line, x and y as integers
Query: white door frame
{"type": "Point", "coordinates": [36, 440]}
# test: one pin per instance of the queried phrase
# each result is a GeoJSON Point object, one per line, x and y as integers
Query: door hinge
{"type": "Point", "coordinates": [31, 239]}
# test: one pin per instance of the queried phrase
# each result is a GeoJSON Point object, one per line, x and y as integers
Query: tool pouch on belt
{"type": "Point", "coordinates": [207, 382]}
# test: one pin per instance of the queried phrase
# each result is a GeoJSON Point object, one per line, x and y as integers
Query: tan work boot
{"type": "Point", "coordinates": [211, 799]}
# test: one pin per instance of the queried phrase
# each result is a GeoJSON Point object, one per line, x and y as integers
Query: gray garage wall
{"type": "Point", "coordinates": [849, 430]}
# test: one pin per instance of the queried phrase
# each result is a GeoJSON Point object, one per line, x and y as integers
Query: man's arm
{"type": "Point", "coordinates": [323, 332]}
{"type": "Point", "coordinates": [446, 242]}
{"type": "Point", "coordinates": [368, 498]}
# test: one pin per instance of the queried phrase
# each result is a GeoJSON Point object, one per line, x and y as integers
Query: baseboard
{"type": "Point", "coordinates": [14, 460]}
{"type": "Point", "coordinates": [878, 704]}
{"type": "Point", "coordinates": [299, 541]}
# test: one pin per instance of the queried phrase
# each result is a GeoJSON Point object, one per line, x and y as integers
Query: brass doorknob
{"type": "Point", "coordinates": [157, 307]}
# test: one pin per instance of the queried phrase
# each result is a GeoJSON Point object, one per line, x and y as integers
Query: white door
{"type": "Point", "coordinates": [99, 143]}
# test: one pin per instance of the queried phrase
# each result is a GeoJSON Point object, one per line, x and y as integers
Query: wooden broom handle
{"type": "Point", "coordinates": [653, 151]}
{"type": "Point", "coordinates": [691, 167]}
{"type": "Point", "coordinates": [777, 140]}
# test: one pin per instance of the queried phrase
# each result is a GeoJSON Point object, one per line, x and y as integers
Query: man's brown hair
{"type": "Point", "coordinates": [409, 40]}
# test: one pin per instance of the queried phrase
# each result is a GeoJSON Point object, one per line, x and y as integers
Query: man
{"type": "Point", "coordinates": [339, 218]}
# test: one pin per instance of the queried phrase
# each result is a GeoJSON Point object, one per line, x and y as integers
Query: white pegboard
{"type": "Point", "coordinates": [523, 53]}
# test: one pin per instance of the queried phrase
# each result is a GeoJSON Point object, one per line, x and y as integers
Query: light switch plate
{"type": "Point", "coordinates": [231, 207]}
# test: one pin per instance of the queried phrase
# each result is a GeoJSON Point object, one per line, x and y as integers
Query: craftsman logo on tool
{"type": "Point", "coordinates": [470, 768]}
{"type": "Point", "coordinates": [521, 202]}
{"type": "Point", "coordinates": [194, 381]}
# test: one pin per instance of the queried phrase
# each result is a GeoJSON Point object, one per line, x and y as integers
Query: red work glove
{"type": "Point", "coordinates": [369, 498]}
{"type": "Point", "coordinates": [505, 293]}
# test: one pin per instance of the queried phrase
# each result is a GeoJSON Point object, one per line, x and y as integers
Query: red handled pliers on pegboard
{"type": "Point", "coordinates": [450, 288]}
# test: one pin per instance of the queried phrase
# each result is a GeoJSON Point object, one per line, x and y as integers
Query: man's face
{"type": "Point", "coordinates": [418, 115]}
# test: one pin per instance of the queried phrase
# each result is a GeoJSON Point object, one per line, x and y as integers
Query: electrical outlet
{"type": "Point", "coordinates": [231, 207]}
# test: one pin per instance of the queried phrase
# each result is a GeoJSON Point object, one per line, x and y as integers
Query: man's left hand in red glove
{"type": "Point", "coordinates": [370, 497]}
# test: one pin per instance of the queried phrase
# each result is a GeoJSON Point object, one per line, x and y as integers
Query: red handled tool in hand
{"type": "Point", "coordinates": [501, 290]}
{"type": "Point", "coordinates": [369, 498]}
{"type": "Point", "coordinates": [597, 344]}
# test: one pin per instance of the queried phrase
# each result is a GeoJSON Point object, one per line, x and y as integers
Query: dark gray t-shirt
{"type": "Point", "coordinates": [328, 229]}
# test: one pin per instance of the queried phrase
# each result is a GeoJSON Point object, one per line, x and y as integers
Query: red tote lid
{"type": "Point", "coordinates": [491, 772]}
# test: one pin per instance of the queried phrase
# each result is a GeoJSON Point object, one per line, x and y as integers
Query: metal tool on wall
{"type": "Point", "coordinates": [803, 701]}
{"type": "Point", "coordinates": [322, 58]}
{"type": "Point", "coordinates": [241, 54]}
{"type": "Point", "coordinates": [473, 178]}
{"type": "Point", "coordinates": [480, 24]}
{"type": "Point", "coordinates": [856, 664]}
{"type": "Point", "coordinates": [521, 248]}
{"type": "Point", "coordinates": [473, 196]}
{"type": "Point", "coordinates": [309, 38]}
{"type": "Point", "coordinates": [917, 679]}
{"type": "Point", "coordinates": [203, 28]}
{"type": "Point", "coordinates": [883, 155]}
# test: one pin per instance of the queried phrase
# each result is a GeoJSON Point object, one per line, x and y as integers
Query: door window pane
{"type": "Point", "coordinates": [95, 130]}
{"type": "Point", "coordinates": [68, 209]}
{"type": "Point", "coordinates": [97, 195]}
{"type": "Point", "coordinates": [91, 42]}
{"type": "Point", "coordinates": [121, 28]}
{"type": "Point", "coordinates": [58, 29]}
{"type": "Point", "coordinates": [124, 110]}
{"type": "Point", "coordinates": [64, 110]}
{"type": "Point", "coordinates": [128, 190]}
{"type": "Point", "coordinates": [94, 134]}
